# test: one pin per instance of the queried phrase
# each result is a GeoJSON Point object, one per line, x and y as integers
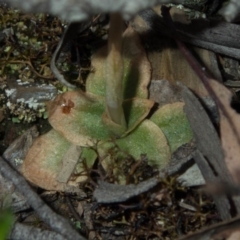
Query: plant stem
{"type": "Point", "coordinates": [114, 74]}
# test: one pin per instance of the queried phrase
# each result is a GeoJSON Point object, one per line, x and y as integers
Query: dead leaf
{"type": "Point", "coordinates": [137, 69]}
{"type": "Point", "coordinates": [174, 66]}
{"type": "Point", "coordinates": [171, 119]}
{"type": "Point", "coordinates": [231, 235]}
{"type": "Point", "coordinates": [209, 151]}
{"type": "Point", "coordinates": [230, 130]}
{"type": "Point", "coordinates": [43, 161]}
{"type": "Point", "coordinates": [80, 209]}
{"type": "Point", "coordinates": [166, 59]}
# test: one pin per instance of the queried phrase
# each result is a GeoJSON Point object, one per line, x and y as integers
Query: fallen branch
{"type": "Point", "coordinates": [55, 221]}
{"type": "Point", "coordinates": [21, 231]}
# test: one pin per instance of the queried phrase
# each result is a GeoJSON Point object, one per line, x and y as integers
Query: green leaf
{"type": "Point", "coordinates": [44, 160]}
{"type": "Point", "coordinates": [85, 124]}
{"type": "Point", "coordinates": [147, 139]}
{"type": "Point", "coordinates": [137, 69]}
{"type": "Point", "coordinates": [96, 81]}
{"type": "Point", "coordinates": [174, 124]}
{"type": "Point", "coordinates": [113, 127]}
{"type": "Point", "coordinates": [90, 155]}
{"type": "Point", "coordinates": [135, 111]}
{"type": "Point", "coordinates": [6, 222]}
{"type": "Point", "coordinates": [84, 166]}
{"type": "Point", "coordinates": [82, 124]}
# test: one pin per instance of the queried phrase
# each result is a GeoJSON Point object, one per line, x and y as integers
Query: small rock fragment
{"type": "Point", "coordinates": [192, 177]}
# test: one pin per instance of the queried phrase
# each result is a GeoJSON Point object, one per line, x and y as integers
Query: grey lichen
{"type": "Point", "coordinates": [22, 112]}
{"type": "Point", "coordinates": [25, 102]}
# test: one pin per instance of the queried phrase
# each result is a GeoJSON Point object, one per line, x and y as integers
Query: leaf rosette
{"type": "Point", "coordinates": [114, 109]}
